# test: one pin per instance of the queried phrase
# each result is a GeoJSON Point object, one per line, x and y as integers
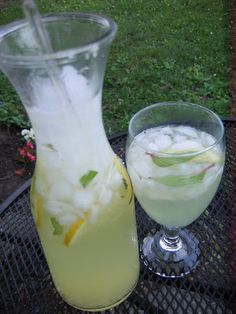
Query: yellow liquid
{"type": "Point", "coordinates": [101, 266]}
{"type": "Point", "coordinates": [179, 212]}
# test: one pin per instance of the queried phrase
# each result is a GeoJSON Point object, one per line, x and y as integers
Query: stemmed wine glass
{"type": "Point", "coordinates": [175, 158]}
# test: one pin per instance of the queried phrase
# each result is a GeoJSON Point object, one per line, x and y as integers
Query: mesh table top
{"type": "Point", "coordinates": [26, 285]}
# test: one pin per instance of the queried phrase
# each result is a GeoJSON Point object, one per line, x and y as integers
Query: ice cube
{"type": "Point", "coordinates": [179, 138]}
{"type": "Point", "coordinates": [55, 208]}
{"type": "Point", "coordinates": [189, 169]}
{"type": "Point", "coordinates": [105, 196]}
{"type": "Point", "coordinates": [60, 190]}
{"type": "Point", "coordinates": [187, 130]}
{"type": "Point", "coordinates": [44, 96]}
{"type": "Point", "coordinates": [166, 130]}
{"type": "Point", "coordinates": [94, 213]}
{"type": "Point", "coordinates": [115, 180]}
{"type": "Point", "coordinates": [76, 84]}
{"type": "Point", "coordinates": [163, 141]}
{"type": "Point", "coordinates": [135, 151]}
{"type": "Point", "coordinates": [183, 169]}
{"type": "Point", "coordinates": [142, 168]}
{"type": "Point", "coordinates": [153, 147]}
{"type": "Point", "coordinates": [67, 219]}
{"type": "Point", "coordinates": [186, 146]}
{"type": "Point", "coordinates": [207, 139]}
{"type": "Point", "coordinates": [142, 139]}
{"type": "Point", "coordinates": [83, 199]}
{"type": "Point", "coordinates": [70, 175]}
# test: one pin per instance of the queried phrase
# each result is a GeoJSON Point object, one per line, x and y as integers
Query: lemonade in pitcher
{"type": "Point", "coordinates": [82, 203]}
{"type": "Point", "coordinates": [82, 198]}
{"type": "Point", "coordinates": [88, 234]}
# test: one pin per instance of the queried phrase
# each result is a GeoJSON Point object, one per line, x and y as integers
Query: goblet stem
{"type": "Point", "coordinates": [172, 252]}
{"type": "Point", "coordinates": [170, 239]}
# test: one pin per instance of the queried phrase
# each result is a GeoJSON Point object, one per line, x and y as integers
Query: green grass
{"type": "Point", "coordinates": [164, 50]}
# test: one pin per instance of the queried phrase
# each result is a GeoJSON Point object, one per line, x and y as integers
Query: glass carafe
{"type": "Point", "coordinates": [81, 196]}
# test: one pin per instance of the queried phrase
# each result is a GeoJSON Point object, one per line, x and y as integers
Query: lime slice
{"type": "Point", "coordinates": [179, 181]}
{"type": "Point", "coordinates": [207, 157]}
{"type": "Point", "coordinates": [74, 230]}
{"type": "Point", "coordinates": [183, 180]}
{"type": "Point", "coordinates": [126, 179]}
{"type": "Point", "coordinates": [169, 161]}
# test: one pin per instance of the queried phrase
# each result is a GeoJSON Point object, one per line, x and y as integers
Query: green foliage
{"type": "Point", "coordinates": [11, 115]}
{"type": "Point", "coordinates": [11, 110]}
{"type": "Point", "coordinates": [164, 50]}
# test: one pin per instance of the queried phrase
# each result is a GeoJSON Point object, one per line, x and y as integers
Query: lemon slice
{"type": "Point", "coordinates": [126, 179]}
{"type": "Point", "coordinates": [39, 210]}
{"type": "Point", "coordinates": [207, 157]}
{"type": "Point", "coordinates": [74, 229]}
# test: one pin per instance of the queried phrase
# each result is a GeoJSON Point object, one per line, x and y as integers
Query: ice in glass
{"type": "Point", "coordinates": [175, 158]}
{"type": "Point", "coordinates": [175, 190]}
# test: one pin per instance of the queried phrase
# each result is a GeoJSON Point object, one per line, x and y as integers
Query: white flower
{"type": "Point", "coordinates": [31, 134]}
{"type": "Point", "coordinates": [24, 132]}
{"type": "Point", "coordinates": [28, 134]}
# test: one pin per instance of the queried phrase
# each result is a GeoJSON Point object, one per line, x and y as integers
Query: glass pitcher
{"type": "Point", "coordinates": [82, 199]}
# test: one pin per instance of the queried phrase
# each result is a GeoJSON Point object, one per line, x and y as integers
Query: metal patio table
{"type": "Point", "coordinates": [26, 286]}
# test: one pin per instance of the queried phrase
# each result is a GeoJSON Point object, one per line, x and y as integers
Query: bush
{"type": "Point", "coordinates": [11, 115]}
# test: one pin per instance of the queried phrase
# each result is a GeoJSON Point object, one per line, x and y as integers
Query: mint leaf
{"type": "Point", "coordinates": [179, 181]}
{"type": "Point", "coordinates": [169, 161]}
{"type": "Point", "coordinates": [88, 177]}
{"type": "Point", "coordinates": [58, 229]}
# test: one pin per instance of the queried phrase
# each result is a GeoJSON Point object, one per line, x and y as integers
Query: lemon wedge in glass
{"type": "Point", "coordinates": [74, 229]}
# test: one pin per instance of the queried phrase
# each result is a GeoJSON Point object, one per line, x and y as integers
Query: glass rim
{"type": "Point", "coordinates": [187, 104]}
{"type": "Point", "coordinates": [107, 37]}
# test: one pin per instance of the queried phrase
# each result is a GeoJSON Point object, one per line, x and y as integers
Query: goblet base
{"type": "Point", "coordinates": [170, 262]}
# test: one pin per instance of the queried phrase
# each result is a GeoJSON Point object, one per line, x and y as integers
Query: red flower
{"type": "Point", "coordinates": [30, 156]}
{"type": "Point", "coordinates": [30, 145]}
{"type": "Point", "coordinates": [22, 152]}
{"type": "Point", "coordinates": [27, 152]}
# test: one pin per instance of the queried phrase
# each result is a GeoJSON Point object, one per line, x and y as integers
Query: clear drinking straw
{"type": "Point", "coordinates": [41, 36]}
